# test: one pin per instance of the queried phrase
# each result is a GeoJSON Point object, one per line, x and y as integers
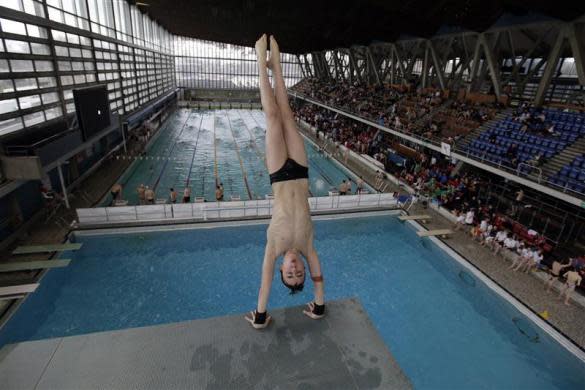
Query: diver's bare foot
{"type": "Point", "coordinates": [274, 60]}
{"type": "Point", "coordinates": [261, 46]}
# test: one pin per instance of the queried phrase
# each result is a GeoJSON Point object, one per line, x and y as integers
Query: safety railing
{"type": "Point", "coordinates": [224, 210]}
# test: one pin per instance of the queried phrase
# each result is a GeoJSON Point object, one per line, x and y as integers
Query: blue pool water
{"type": "Point", "coordinates": [444, 327]}
{"type": "Point", "coordinates": [197, 148]}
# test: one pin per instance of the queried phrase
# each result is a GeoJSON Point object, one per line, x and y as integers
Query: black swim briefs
{"type": "Point", "coordinates": [291, 170]}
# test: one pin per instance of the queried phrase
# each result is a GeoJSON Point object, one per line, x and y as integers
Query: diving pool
{"type": "Point", "coordinates": [199, 148]}
{"type": "Point", "coordinates": [444, 326]}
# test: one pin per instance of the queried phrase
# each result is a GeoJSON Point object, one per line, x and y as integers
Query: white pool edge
{"type": "Point", "coordinates": [222, 224]}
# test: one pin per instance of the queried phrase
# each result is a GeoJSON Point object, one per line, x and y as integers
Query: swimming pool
{"type": "Point", "coordinates": [444, 326]}
{"type": "Point", "coordinates": [198, 148]}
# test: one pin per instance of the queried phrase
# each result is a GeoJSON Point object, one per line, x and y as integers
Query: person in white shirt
{"type": "Point", "coordinates": [469, 217]}
{"type": "Point", "coordinates": [460, 222]}
{"type": "Point", "coordinates": [499, 241]}
{"type": "Point", "coordinates": [483, 226]}
{"type": "Point", "coordinates": [536, 259]}
{"type": "Point", "coordinates": [487, 236]}
{"type": "Point", "coordinates": [510, 244]}
{"type": "Point", "coordinates": [524, 258]}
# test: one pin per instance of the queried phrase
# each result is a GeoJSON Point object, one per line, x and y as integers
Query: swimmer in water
{"type": "Point", "coordinates": [291, 230]}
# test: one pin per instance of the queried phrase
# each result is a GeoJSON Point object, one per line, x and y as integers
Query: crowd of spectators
{"type": "Point", "coordinates": [353, 135]}
{"type": "Point", "coordinates": [402, 108]}
{"type": "Point", "coordinates": [526, 248]}
{"type": "Point", "coordinates": [431, 176]}
{"type": "Point", "coordinates": [533, 121]}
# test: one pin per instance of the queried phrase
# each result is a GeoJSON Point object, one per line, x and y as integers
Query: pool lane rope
{"type": "Point", "coordinates": [239, 157]}
{"type": "Point", "coordinates": [170, 153]}
{"type": "Point", "coordinates": [194, 152]}
{"type": "Point", "coordinates": [252, 139]}
{"type": "Point", "coordinates": [215, 153]}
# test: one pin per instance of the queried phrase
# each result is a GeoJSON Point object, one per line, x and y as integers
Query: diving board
{"type": "Point", "coordinates": [18, 289]}
{"type": "Point", "coordinates": [341, 351]}
{"type": "Point", "coordinates": [46, 248]}
{"type": "Point", "coordinates": [423, 217]}
{"type": "Point", "coordinates": [437, 232]}
{"type": "Point", "coordinates": [29, 265]}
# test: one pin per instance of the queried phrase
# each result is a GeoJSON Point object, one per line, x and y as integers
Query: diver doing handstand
{"type": "Point", "coordinates": [290, 232]}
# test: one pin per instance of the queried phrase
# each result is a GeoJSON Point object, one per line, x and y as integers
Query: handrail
{"type": "Point", "coordinates": [518, 172]}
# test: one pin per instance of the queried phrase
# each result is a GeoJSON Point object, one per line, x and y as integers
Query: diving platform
{"type": "Point", "coordinates": [343, 350]}
{"type": "Point", "coordinates": [422, 217]}
{"type": "Point", "coordinates": [33, 264]}
{"type": "Point", "coordinates": [18, 290]}
{"type": "Point", "coordinates": [444, 233]}
{"type": "Point", "coordinates": [21, 250]}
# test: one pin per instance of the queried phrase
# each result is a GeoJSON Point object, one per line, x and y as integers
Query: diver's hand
{"type": "Point", "coordinates": [315, 311]}
{"type": "Point", "coordinates": [256, 322]}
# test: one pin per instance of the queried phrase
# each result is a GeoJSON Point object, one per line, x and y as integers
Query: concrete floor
{"type": "Point", "coordinates": [341, 351]}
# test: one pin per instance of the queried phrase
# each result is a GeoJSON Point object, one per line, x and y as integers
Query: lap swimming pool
{"type": "Point", "coordinates": [444, 326]}
{"type": "Point", "coordinates": [199, 148]}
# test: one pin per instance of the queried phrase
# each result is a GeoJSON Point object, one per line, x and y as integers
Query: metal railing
{"type": "Point", "coordinates": [224, 210]}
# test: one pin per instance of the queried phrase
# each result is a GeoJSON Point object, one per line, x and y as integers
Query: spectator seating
{"type": "Point", "coordinates": [572, 176]}
{"type": "Point", "coordinates": [493, 143]}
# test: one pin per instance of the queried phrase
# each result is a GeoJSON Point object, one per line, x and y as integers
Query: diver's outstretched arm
{"type": "Point", "coordinates": [317, 307]}
{"type": "Point", "coordinates": [265, 284]}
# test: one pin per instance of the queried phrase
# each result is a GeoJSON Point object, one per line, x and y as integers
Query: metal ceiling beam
{"type": "Point", "coordinates": [439, 68]}
{"type": "Point", "coordinates": [551, 65]}
{"type": "Point", "coordinates": [575, 34]}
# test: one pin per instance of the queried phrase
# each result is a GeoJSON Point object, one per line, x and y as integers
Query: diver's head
{"type": "Point", "coordinates": [292, 271]}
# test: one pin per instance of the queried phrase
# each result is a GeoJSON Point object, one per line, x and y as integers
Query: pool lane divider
{"type": "Point", "coordinates": [239, 157]}
{"type": "Point", "coordinates": [156, 183]}
{"type": "Point", "coordinates": [194, 151]}
{"type": "Point", "coordinates": [254, 144]}
{"type": "Point", "coordinates": [215, 153]}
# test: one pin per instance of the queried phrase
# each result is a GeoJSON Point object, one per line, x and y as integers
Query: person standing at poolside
{"type": "Point", "coordinates": [149, 195]}
{"type": "Point", "coordinates": [141, 197]}
{"type": "Point", "coordinates": [173, 195]}
{"type": "Point", "coordinates": [555, 272]}
{"type": "Point", "coordinates": [343, 188]}
{"type": "Point", "coordinates": [116, 192]}
{"type": "Point", "coordinates": [360, 185]}
{"type": "Point", "coordinates": [291, 230]}
{"type": "Point", "coordinates": [218, 193]}
{"type": "Point", "coordinates": [348, 186]}
{"type": "Point", "coordinates": [573, 279]}
{"type": "Point", "coordinates": [187, 195]}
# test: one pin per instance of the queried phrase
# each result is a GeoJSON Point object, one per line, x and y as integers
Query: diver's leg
{"type": "Point", "coordinates": [276, 152]}
{"type": "Point", "coordinates": [294, 141]}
